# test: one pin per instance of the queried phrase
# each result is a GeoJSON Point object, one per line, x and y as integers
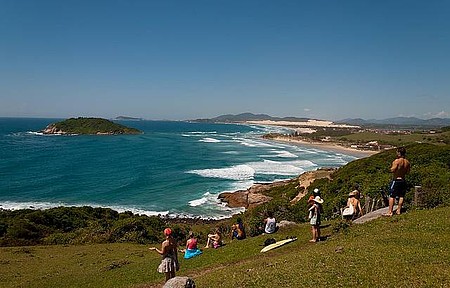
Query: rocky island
{"type": "Point", "coordinates": [88, 126]}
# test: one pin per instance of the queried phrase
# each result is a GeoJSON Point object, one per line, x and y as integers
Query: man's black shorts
{"type": "Point", "coordinates": [398, 188]}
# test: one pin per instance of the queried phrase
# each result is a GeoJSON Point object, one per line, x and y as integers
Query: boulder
{"type": "Point", "coordinates": [243, 198]}
{"type": "Point", "coordinates": [180, 282]}
{"type": "Point", "coordinates": [285, 223]}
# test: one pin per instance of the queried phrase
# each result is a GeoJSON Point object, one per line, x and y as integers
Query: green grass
{"type": "Point", "coordinates": [398, 139]}
{"type": "Point", "coordinates": [411, 250]}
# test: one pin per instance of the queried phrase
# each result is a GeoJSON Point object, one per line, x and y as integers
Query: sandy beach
{"type": "Point", "coordinates": [329, 146]}
{"type": "Point", "coordinates": [309, 127]}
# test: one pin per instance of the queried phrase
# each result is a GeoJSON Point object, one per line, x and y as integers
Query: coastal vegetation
{"type": "Point", "coordinates": [117, 255]}
{"type": "Point", "coordinates": [359, 137]}
{"type": "Point", "coordinates": [92, 126]}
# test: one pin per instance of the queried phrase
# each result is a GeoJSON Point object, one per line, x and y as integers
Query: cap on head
{"type": "Point", "coordinates": [316, 191]}
{"type": "Point", "coordinates": [167, 231]}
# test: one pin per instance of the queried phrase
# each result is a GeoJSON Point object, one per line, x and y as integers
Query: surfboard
{"type": "Point", "coordinates": [277, 244]}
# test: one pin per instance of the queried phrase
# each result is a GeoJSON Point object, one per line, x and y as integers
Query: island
{"type": "Point", "coordinates": [88, 126]}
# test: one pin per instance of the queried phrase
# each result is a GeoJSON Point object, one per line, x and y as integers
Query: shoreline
{"type": "Point", "coordinates": [329, 146]}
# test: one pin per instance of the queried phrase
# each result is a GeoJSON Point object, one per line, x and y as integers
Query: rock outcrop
{"type": "Point", "coordinates": [254, 195]}
{"type": "Point", "coordinates": [305, 179]}
{"type": "Point", "coordinates": [52, 129]}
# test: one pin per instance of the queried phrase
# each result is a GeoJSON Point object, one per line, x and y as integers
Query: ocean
{"type": "Point", "coordinates": [173, 168]}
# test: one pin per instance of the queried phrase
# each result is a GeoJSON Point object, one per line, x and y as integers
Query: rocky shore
{"type": "Point", "coordinates": [255, 196]}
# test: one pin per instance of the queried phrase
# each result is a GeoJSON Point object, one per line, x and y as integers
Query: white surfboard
{"type": "Point", "coordinates": [277, 244]}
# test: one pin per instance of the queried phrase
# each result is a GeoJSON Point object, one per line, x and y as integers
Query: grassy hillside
{"type": "Point", "coordinates": [411, 250]}
{"type": "Point", "coordinates": [398, 139]}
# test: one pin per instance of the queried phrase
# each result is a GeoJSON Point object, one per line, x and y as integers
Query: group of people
{"type": "Point", "coordinates": [169, 263]}
{"type": "Point", "coordinates": [397, 190]}
{"type": "Point", "coordinates": [169, 248]}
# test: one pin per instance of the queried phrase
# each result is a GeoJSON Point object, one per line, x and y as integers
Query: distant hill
{"type": "Point", "coordinates": [128, 118]}
{"type": "Point", "coordinates": [230, 118]}
{"type": "Point", "coordinates": [400, 121]}
{"type": "Point", "coordinates": [90, 126]}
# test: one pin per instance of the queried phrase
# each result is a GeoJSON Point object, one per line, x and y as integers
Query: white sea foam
{"type": "Point", "coordinates": [269, 167]}
{"type": "Point", "coordinates": [238, 172]}
{"type": "Point", "coordinates": [8, 205]}
{"type": "Point", "coordinates": [198, 202]}
{"type": "Point", "coordinates": [253, 143]}
{"type": "Point", "coordinates": [231, 152]}
{"type": "Point", "coordinates": [35, 133]}
{"type": "Point", "coordinates": [209, 140]}
{"type": "Point", "coordinates": [279, 154]}
{"type": "Point", "coordinates": [202, 132]}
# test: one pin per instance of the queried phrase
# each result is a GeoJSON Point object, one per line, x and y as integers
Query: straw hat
{"type": "Point", "coordinates": [353, 193]}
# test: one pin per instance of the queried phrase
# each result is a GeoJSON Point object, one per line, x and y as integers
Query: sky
{"type": "Point", "coordinates": [189, 59]}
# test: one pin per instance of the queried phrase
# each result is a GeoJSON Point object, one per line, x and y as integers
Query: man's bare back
{"type": "Point", "coordinates": [400, 167]}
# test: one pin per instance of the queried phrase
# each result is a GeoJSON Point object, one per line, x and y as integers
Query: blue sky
{"type": "Point", "coordinates": [196, 59]}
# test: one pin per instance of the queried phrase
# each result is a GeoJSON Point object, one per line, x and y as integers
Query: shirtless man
{"type": "Point", "coordinates": [400, 167]}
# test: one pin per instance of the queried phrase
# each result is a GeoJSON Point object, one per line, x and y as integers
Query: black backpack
{"type": "Point", "coordinates": [269, 241]}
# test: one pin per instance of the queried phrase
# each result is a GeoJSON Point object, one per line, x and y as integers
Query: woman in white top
{"type": "Point", "coordinates": [353, 202]}
{"type": "Point", "coordinates": [270, 224]}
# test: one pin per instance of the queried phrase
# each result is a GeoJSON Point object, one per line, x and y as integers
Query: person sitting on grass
{"type": "Point", "coordinates": [353, 205]}
{"type": "Point", "coordinates": [270, 224]}
{"type": "Point", "coordinates": [237, 230]}
{"type": "Point", "coordinates": [191, 247]}
{"type": "Point", "coordinates": [214, 240]}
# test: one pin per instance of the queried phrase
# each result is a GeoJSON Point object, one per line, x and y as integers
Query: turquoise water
{"type": "Point", "coordinates": [175, 168]}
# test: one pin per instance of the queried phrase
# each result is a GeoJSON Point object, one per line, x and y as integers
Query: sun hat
{"type": "Point", "coordinates": [353, 193]}
{"type": "Point", "coordinates": [318, 200]}
{"type": "Point", "coordinates": [167, 231]}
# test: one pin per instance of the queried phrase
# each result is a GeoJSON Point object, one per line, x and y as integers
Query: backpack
{"type": "Point", "coordinates": [269, 241]}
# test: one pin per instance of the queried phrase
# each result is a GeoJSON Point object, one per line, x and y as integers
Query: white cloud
{"type": "Point", "coordinates": [441, 114]}
{"type": "Point", "coordinates": [306, 109]}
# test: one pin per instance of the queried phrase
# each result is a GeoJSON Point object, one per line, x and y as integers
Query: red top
{"type": "Point", "coordinates": [192, 244]}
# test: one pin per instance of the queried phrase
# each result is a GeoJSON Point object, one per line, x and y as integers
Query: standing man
{"type": "Point", "coordinates": [400, 167]}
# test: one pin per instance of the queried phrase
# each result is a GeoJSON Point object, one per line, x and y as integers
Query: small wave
{"type": "Point", "coordinates": [238, 172]}
{"type": "Point", "coordinates": [30, 205]}
{"type": "Point", "coordinates": [231, 152]}
{"type": "Point", "coordinates": [198, 202]}
{"type": "Point", "coordinates": [35, 133]}
{"type": "Point", "coordinates": [280, 154]}
{"type": "Point", "coordinates": [291, 168]}
{"type": "Point", "coordinates": [253, 143]}
{"type": "Point", "coordinates": [202, 132]}
{"type": "Point", "coordinates": [209, 140]}
{"type": "Point", "coordinates": [48, 205]}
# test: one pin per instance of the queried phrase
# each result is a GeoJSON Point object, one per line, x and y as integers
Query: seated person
{"type": "Point", "coordinates": [214, 240]}
{"type": "Point", "coordinates": [238, 230]}
{"type": "Point", "coordinates": [355, 205]}
{"type": "Point", "coordinates": [270, 224]}
{"type": "Point", "coordinates": [191, 247]}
